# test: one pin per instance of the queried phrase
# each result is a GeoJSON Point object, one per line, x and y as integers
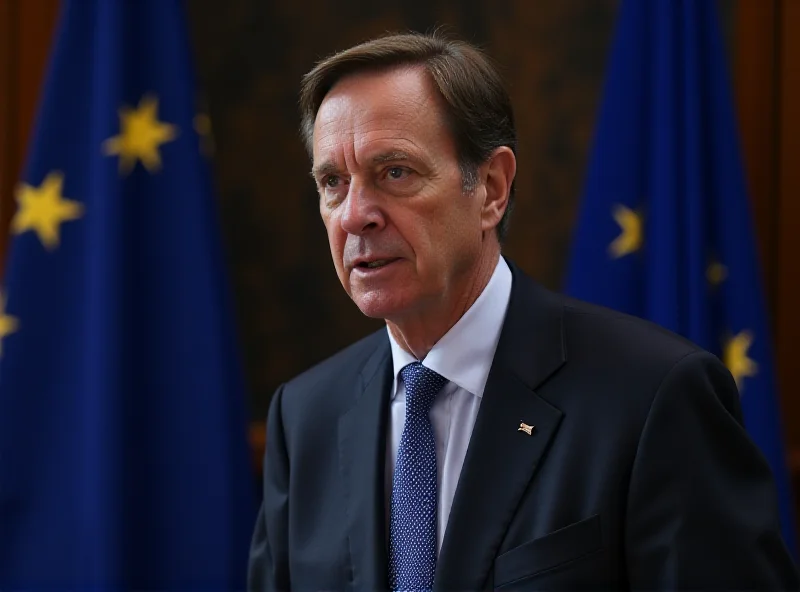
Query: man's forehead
{"type": "Point", "coordinates": [348, 116]}
{"type": "Point", "coordinates": [375, 113]}
{"type": "Point", "coordinates": [393, 94]}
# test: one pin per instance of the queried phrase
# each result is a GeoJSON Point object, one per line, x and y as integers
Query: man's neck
{"type": "Point", "coordinates": [418, 334]}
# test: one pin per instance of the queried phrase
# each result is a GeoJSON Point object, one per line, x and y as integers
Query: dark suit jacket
{"type": "Point", "coordinates": [638, 473]}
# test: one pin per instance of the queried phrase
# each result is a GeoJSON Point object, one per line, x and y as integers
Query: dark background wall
{"type": "Point", "coordinates": [251, 56]}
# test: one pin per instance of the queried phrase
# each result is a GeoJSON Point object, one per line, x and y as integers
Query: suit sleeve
{"type": "Point", "coordinates": [269, 550]}
{"type": "Point", "coordinates": [702, 507]}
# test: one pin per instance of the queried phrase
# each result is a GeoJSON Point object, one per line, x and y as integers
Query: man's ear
{"type": "Point", "coordinates": [497, 173]}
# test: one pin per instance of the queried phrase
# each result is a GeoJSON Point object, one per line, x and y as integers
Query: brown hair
{"type": "Point", "coordinates": [477, 105]}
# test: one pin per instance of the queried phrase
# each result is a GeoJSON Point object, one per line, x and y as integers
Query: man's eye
{"type": "Point", "coordinates": [331, 181]}
{"type": "Point", "coordinates": [396, 172]}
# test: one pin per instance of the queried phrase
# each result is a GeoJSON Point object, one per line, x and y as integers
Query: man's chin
{"type": "Point", "coordinates": [375, 311]}
{"type": "Point", "coordinates": [377, 305]}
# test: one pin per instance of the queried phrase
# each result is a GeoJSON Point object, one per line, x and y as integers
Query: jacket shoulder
{"type": "Point", "coordinates": [626, 360]}
{"type": "Point", "coordinates": [613, 327]}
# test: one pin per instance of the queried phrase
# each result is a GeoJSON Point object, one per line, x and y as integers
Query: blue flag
{"type": "Point", "coordinates": [123, 455]}
{"type": "Point", "coordinates": [664, 230]}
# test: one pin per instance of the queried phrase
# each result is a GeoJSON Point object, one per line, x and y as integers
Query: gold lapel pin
{"type": "Point", "coordinates": [524, 427]}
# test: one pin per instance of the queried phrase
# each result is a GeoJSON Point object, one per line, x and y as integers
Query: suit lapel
{"type": "Point", "coordinates": [501, 460]}
{"type": "Point", "coordinates": [362, 459]}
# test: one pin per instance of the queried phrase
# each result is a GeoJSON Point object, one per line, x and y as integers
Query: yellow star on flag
{"type": "Point", "coordinates": [8, 324]}
{"type": "Point", "coordinates": [630, 239]}
{"type": "Point", "coordinates": [43, 209]}
{"type": "Point", "coordinates": [140, 137]}
{"type": "Point", "coordinates": [735, 357]}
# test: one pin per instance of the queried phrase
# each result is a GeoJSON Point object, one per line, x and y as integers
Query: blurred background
{"type": "Point", "coordinates": [250, 56]}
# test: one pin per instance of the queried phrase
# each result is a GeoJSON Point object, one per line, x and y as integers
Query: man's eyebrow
{"type": "Point", "coordinates": [325, 168]}
{"type": "Point", "coordinates": [393, 156]}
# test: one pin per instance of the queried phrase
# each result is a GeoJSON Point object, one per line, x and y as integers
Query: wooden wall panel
{"type": "Point", "coordinates": [757, 87]}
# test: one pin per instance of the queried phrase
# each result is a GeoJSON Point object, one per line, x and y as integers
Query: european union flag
{"type": "Point", "coordinates": [123, 455]}
{"type": "Point", "coordinates": [664, 231]}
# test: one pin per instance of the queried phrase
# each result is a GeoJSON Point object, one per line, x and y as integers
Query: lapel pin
{"type": "Point", "coordinates": [524, 427]}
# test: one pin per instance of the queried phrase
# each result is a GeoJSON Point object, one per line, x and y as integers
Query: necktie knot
{"type": "Point", "coordinates": [422, 385]}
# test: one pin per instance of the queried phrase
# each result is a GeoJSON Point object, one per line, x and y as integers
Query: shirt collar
{"type": "Point", "coordinates": [465, 353]}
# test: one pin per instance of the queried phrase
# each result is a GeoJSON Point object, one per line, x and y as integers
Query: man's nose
{"type": "Point", "coordinates": [362, 212]}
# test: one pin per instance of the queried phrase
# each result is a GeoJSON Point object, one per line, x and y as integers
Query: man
{"type": "Point", "coordinates": [494, 435]}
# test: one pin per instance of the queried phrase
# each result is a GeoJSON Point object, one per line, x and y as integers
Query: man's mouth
{"type": "Point", "coordinates": [376, 263]}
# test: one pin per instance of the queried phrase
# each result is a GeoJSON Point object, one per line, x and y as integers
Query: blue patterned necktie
{"type": "Point", "coordinates": [412, 528]}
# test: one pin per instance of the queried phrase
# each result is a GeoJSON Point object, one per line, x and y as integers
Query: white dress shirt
{"type": "Point", "coordinates": [464, 357]}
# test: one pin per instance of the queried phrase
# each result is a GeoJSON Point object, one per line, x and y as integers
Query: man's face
{"type": "Point", "coordinates": [404, 237]}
